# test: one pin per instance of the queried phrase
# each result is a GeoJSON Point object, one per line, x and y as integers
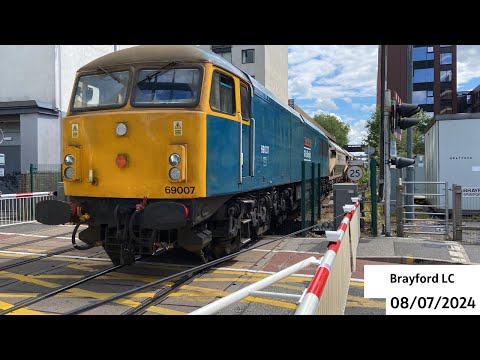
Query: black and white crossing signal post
{"type": "Point", "coordinates": [401, 118]}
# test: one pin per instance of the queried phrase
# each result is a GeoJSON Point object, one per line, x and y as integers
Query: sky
{"type": "Point", "coordinates": [342, 80]}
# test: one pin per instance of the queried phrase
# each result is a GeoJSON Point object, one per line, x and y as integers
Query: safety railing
{"type": "Point", "coordinates": [328, 291]}
{"type": "Point", "coordinates": [19, 208]}
{"type": "Point", "coordinates": [338, 260]}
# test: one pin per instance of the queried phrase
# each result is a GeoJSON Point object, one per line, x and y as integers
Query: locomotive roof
{"type": "Point", "coordinates": [144, 54]}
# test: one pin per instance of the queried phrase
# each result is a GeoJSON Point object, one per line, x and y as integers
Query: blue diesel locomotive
{"type": "Point", "coordinates": [193, 153]}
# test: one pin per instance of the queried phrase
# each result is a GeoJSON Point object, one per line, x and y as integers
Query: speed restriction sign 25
{"type": "Point", "coordinates": [354, 173]}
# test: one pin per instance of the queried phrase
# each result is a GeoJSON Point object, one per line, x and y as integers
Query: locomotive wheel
{"type": "Point", "coordinates": [225, 247]}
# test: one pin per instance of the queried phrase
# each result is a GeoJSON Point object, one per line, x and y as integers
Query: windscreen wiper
{"type": "Point", "coordinates": [109, 74]}
{"type": "Point", "coordinates": [159, 71]}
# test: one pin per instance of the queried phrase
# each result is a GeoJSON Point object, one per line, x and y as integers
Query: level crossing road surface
{"type": "Point", "coordinates": [19, 242]}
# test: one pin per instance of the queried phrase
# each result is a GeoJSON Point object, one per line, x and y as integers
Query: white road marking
{"type": "Point", "coordinates": [19, 234]}
{"type": "Point", "coordinates": [58, 256]}
{"type": "Point", "coordinates": [458, 253]}
{"type": "Point", "coordinates": [258, 271]}
{"type": "Point", "coordinates": [39, 236]}
{"type": "Point", "coordinates": [287, 251]}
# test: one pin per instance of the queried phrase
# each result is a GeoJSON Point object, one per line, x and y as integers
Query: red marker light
{"type": "Point", "coordinates": [121, 160]}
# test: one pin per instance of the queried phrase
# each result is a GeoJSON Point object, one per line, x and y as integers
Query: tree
{"type": "Point", "coordinates": [373, 135]}
{"type": "Point", "coordinates": [332, 124]}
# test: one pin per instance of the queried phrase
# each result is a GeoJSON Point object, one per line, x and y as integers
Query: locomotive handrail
{"type": "Point", "coordinates": [252, 147]}
{"type": "Point", "coordinates": [310, 301]}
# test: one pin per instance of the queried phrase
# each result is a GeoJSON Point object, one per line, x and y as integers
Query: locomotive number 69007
{"type": "Point", "coordinates": [179, 189]}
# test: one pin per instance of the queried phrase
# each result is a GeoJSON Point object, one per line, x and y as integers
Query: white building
{"type": "Point", "coordinates": [268, 64]}
{"type": "Point", "coordinates": [35, 86]}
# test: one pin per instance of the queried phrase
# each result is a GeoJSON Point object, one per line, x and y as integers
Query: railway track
{"type": "Point", "coordinates": [178, 278]}
{"type": "Point", "coordinates": [59, 252]}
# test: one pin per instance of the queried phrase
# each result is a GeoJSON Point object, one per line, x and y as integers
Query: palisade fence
{"type": "Point", "coordinates": [311, 193]}
{"type": "Point", "coordinates": [40, 177]}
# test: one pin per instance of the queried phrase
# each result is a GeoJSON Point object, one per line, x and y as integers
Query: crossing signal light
{"type": "Point", "coordinates": [405, 123]}
{"type": "Point", "coordinates": [402, 116]}
{"type": "Point", "coordinates": [407, 110]}
{"type": "Point", "coordinates": [401, 162]}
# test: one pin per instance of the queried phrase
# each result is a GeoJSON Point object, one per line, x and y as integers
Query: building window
{"type": "Point", "coordinates": [248, 56]}
{"type": "Point", "coordinates": [419, 97]}
{"type": "Point", "coordinates": [227, 56]}
{"type": "Point", "coordinates": [423, 75]}
{"type": "Point", "coordinates": [222, 95]}
{"type": "Point", "coordinates": [421, 54]}
{"type": "Point", "coordinates": [446, 75]}
{"type": "Point", "coordinates": [422, 97]}
{"type": "Point", "coordinates": [446, 59]}
{"type": "Point", "coordinates": [225, 51]}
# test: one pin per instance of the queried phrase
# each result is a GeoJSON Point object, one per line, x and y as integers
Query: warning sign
{"type": "Point", "coordinates": [177, 128]}
{"type": "Point", "coordinates": [74, 131]}
{"type": "Point", "coordinates": [471, 192]}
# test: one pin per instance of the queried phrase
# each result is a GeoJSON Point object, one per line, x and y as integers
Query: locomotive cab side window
{"type": "Point", "coordinates": [103, 90]}
{"type": "Point", "coordinates": [222, 95]}
{"type": "Point", "coordinates": [245, 101]}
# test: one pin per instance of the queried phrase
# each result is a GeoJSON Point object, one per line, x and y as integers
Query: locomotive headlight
{"type": "Point", "coordinates": [69, 160]}
{"type": "Point", "coordinates": [121, 129]}
{"type": "Point", "coordinates": [174, 159]}
{"type": "Point", "coordinates": [69, 173]}
{"type": "Point", "coordinates": [174, 173]}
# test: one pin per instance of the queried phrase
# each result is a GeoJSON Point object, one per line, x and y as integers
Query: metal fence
{"type": "Point", "coordinates": [466, 213]}
{"type": "Point", "coordinates": [423, 213]}
{"type": "Point", "coordinates": [40, 177]}
{"type": "Point", "coordinates": [20, 208]}
{"type": "Point", "coordinates": [327, 293]}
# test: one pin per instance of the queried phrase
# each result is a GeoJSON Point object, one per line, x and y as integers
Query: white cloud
{"type": "Point", "coordinates": [329, 72]}
{"type": "Point", "coordinates": [327, 104]}
{"type": "Point", "coordinates": [368, 108]}
{"type": "Point", "coordinates": [468, 66]}
{"type": "Point", "coordinates": [358, 132]}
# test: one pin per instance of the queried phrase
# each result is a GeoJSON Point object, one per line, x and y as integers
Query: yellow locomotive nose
{"type": "Point", "coordinates": [142, 155]}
